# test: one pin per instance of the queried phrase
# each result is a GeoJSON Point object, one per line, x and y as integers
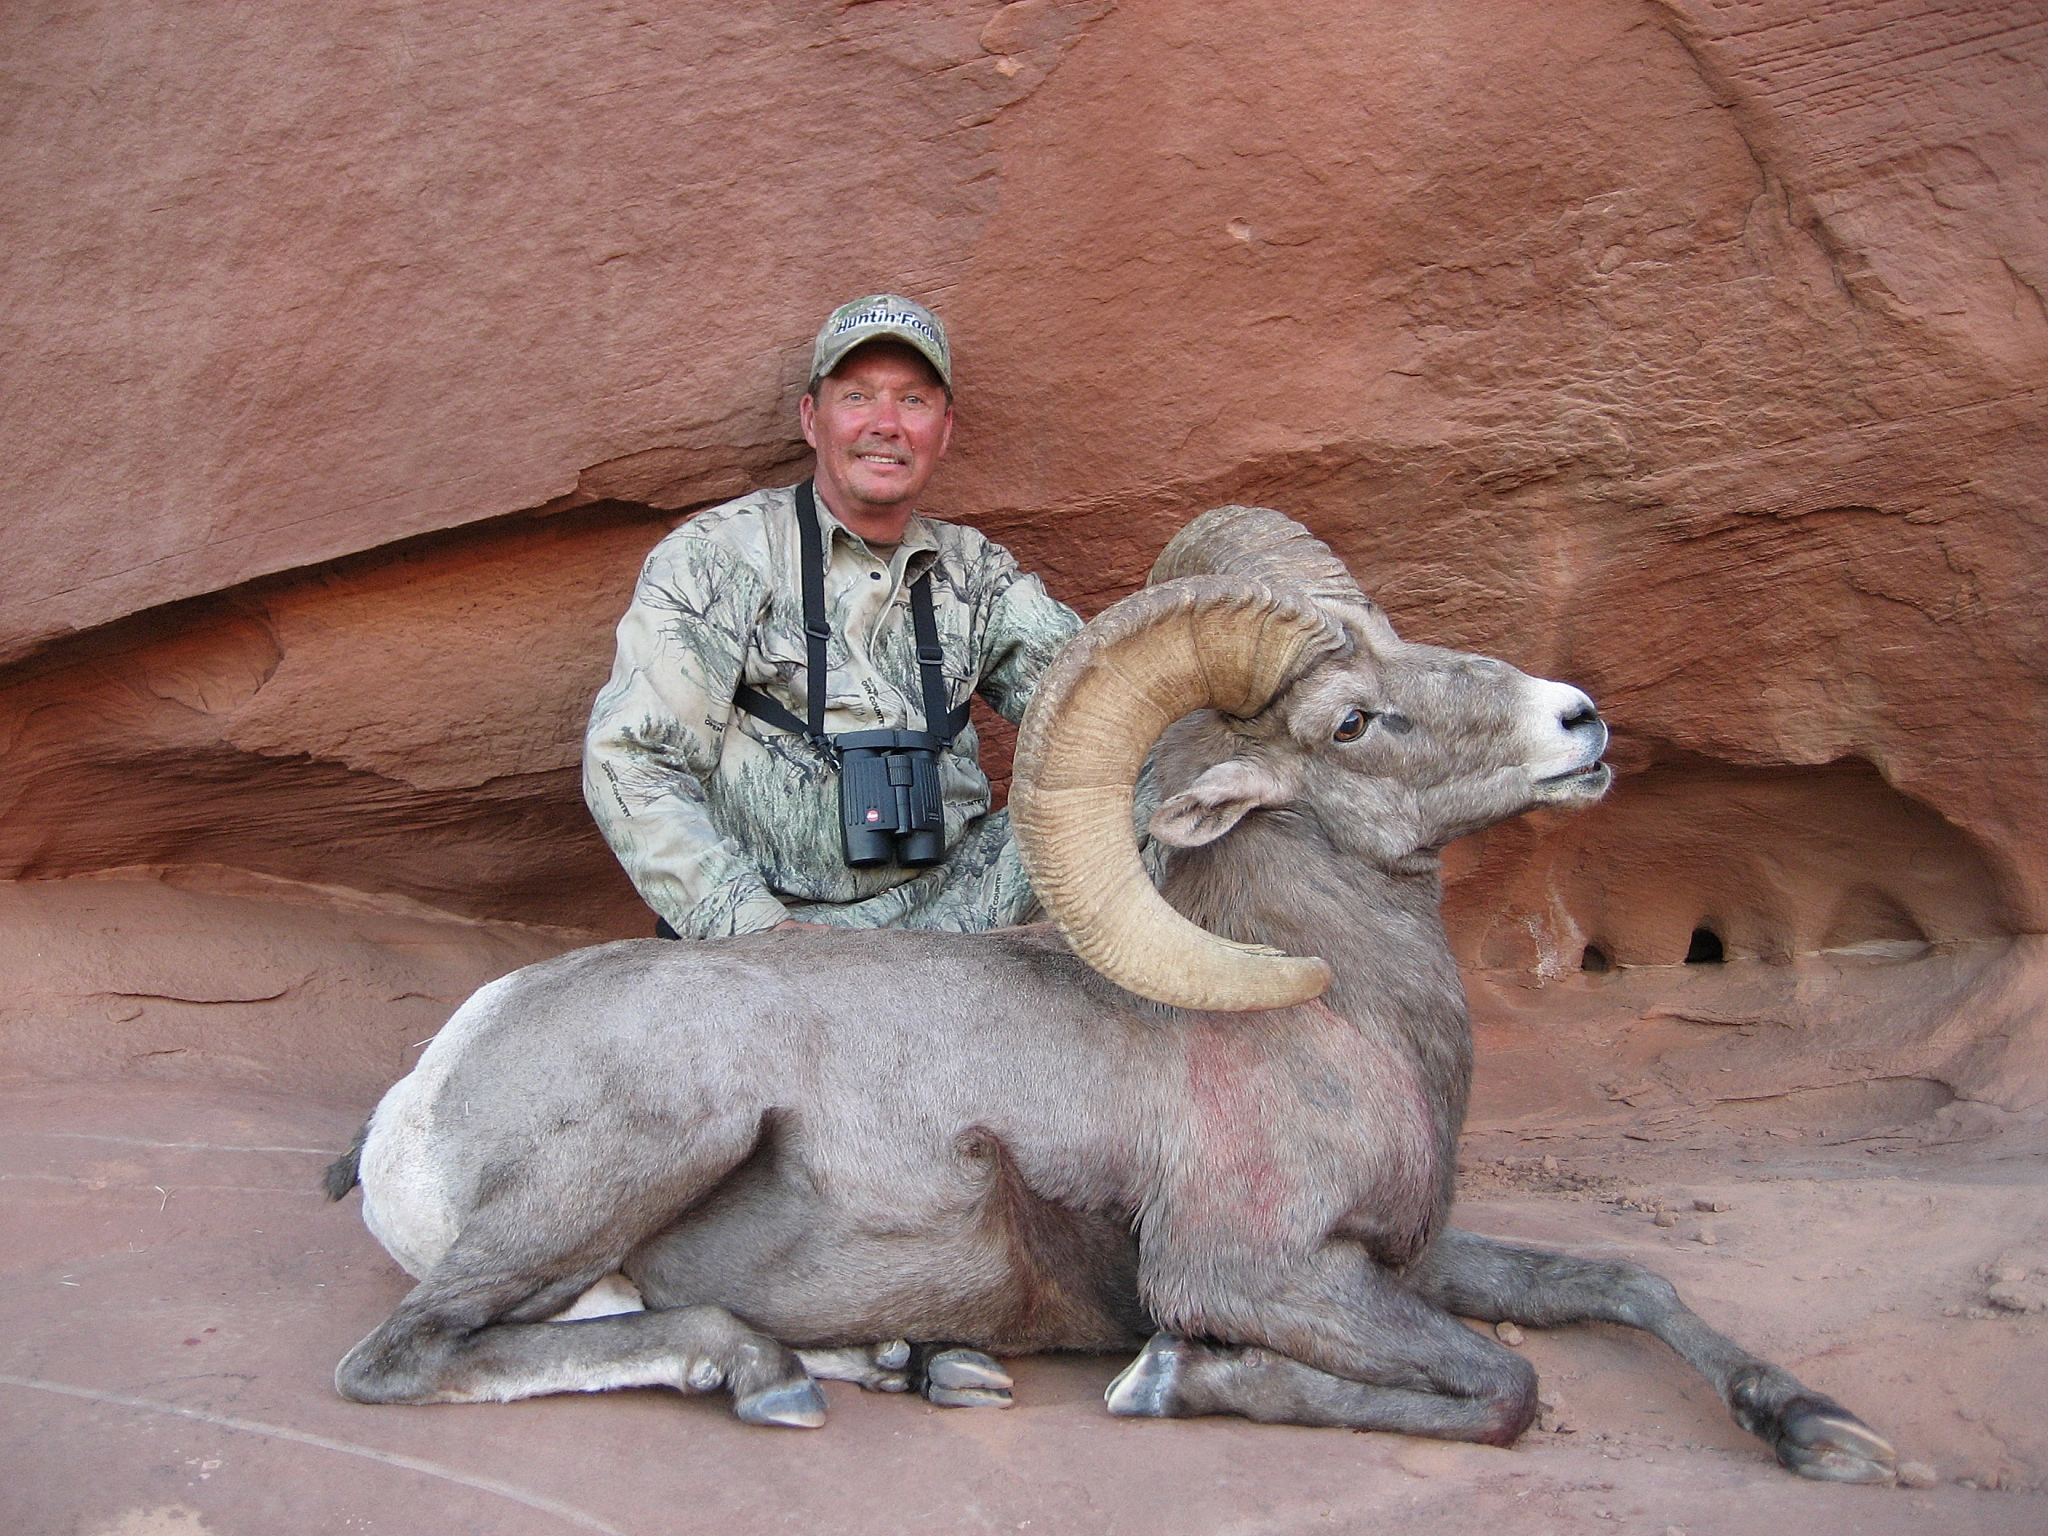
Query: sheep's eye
{"type": "Point", "coordinates": [1353, 725]}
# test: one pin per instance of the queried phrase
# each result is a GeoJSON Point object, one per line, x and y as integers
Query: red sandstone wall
{"type": "Point", "coordinates": [1690, 350]}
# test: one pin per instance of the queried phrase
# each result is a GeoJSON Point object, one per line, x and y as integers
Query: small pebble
{"type": "Point", "coordinates": [1551, 1416]}
{"type": "Point", "coordinates": [1549, 1164]}
{"type": "Point", "coordinates": [1917, 1474]}
{"type": "Point", "coordinates": [1509, 1334]}
{"type": "Point", "coordinates": [1664, 1219]}
{"type": "Point", "coordinates": [1712, 1205]}
{"type": "Point", "coordinates": [1706, 1236]}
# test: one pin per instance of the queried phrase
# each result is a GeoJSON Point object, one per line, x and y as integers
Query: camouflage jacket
{"type": "Point", "coordinates": [727, 824]}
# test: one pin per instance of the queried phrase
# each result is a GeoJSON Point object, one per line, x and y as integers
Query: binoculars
{"type": "Point", "coordinates": [889, 804]}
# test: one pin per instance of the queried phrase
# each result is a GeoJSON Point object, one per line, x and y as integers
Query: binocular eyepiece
{"type": "Point", "coordinates": [889, 804]}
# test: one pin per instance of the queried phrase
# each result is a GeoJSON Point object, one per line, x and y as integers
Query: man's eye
{"type": "Point", "coordinates": [1353, 725]}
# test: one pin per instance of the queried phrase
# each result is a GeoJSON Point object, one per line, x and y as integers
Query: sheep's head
{"type": "Point", "coordinates": [1310, 703]}
{"type": "Point", "coordinates": [1395, 748]}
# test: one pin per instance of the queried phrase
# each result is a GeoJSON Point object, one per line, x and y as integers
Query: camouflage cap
{"type": "Point", "coordinates": [878, 317]}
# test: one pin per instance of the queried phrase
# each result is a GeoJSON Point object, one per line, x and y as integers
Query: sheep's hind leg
{"type": "Point", "coordinates": [1811, 1433]}
{"type": "Point", "coordinates": [422, 1355]}
{"type": "Point", "coordinates": [873, 1367]}
{"type": "Point", "coordinates": [481, 1327]}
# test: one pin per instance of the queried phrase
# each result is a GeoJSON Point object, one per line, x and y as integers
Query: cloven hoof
{"type": "Point", "coordinates": [1825, 1441]}
{"type": "Point", "coordinates": [799, 1405]}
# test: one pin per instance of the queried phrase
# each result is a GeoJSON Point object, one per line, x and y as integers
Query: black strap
{"type": "Point", "coordinates": [810, 539]}
{"type": "Point", "coordinates": [761, 707]}
{"type": "Point", "coordinates": [931, 664]}
{"type": "Point", "coordinates": [924, 624]}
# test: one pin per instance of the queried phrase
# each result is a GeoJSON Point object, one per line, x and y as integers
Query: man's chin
{"type": "Point", "coordinates": [885, 490]}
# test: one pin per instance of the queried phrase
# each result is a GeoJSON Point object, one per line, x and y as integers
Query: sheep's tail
{"type": "Point", "coordinates": [345, 1172]}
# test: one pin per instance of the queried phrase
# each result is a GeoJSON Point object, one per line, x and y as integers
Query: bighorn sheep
{"type": "Point", "coordinates": [1236, 1140]}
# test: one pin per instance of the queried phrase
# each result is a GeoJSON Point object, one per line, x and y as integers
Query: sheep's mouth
{"type": "Point", "coordinates": [1595, 776]}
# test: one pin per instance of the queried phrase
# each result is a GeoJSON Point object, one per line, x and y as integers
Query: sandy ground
{"type": "Point", "coordinates": [178, 1292]}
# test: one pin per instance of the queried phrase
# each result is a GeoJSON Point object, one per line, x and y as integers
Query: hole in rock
{"type": "Point", "coordinates": [1595, 961]}
{"type": "Point", "coordinates": [1705, 949]}
{"type": "Point", "coordinates": [1779, 862]}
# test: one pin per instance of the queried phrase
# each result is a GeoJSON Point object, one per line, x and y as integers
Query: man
{"type": "Point", "coordinates": [727, 815]}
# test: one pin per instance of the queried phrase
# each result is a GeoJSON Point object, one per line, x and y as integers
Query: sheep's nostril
{"type": "Point", "coordinates": [1584, 715]}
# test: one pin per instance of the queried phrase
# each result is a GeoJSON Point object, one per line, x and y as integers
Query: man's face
{"type": "Point", "coordinates": [880, 423]}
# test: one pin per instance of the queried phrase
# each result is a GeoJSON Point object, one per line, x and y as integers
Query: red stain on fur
{"type": "Point", "coordinates": [1311, 1125]}
{"type": "Point", "coordinates": [1241, 1182]}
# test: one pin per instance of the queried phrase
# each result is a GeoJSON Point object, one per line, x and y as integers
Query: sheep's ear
{"type": "Point", "coordinates": [1218, 801]}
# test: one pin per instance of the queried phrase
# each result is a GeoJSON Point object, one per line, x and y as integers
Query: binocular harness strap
{"type": "Point", "coordinates": [931, 670]}
{"type": "Point", "coordinates": [938, 720]}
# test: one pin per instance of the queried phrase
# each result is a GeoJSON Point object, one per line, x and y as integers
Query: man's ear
{"type": "Point", "coordinates": [1218, 801]}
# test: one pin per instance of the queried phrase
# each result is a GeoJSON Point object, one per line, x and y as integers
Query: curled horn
{"type": "Point", "coordinates": [1197, 639]}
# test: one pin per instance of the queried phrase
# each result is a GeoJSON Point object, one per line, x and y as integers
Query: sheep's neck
{"type": "Point", "coordinates": [1276, 880]}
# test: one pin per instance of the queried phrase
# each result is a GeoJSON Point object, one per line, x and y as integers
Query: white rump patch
{"type": "Point", "coordinates": [409, 1195]}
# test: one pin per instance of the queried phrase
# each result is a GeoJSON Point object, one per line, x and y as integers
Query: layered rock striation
{"type": "Point", "coordinates": [1692, 351]}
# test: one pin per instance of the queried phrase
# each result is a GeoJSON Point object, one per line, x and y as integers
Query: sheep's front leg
{"type": "Point", "coordinates": [1495, 1282]}
{"type": "Point", "coordinates": [1178, 1378]}
{"type": "Point", "coordinates": [1339, 1342]}
{"type": "Point", "coordinates": [954, 1376]}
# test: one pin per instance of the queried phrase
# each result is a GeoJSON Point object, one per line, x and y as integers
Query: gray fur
{"type": "Point", "coordinates": [845, 1137]}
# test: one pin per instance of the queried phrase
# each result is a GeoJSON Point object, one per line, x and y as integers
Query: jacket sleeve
{"type": "Point", "coordinates": [656, 730]}
{"type": "Point", "coordinates": [1024, 629]}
